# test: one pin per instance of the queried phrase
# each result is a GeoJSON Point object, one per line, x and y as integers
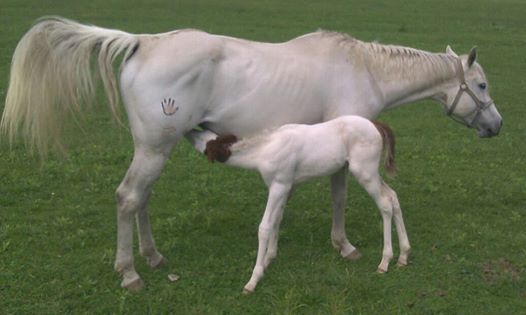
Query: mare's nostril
{"type": "Point", "coordinates": [492, 132]}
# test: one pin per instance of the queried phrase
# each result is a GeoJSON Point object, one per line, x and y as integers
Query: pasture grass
{"type": "Point", "coordinates": [463, 198]}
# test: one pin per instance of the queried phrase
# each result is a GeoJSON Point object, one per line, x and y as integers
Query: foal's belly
{"type": "Point", "coordinates": [322, 157]}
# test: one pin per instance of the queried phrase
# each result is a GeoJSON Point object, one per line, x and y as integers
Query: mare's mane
{"type": "Point", "coordinates": [391, 62]}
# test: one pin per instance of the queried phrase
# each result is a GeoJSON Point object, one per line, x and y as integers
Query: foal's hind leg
{"type": "Point", "coordinates": [339, 198]}
{"type": "Point", "coordinates": [132, 197]}
{"type": "Point", "coordinates": [405, 248]}
{"type": "Point", "coordinates": [367, 175]}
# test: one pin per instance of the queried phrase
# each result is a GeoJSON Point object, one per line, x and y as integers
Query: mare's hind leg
{"type": "Point", "coordinates": [147, 247]}
{"type": "Point", "coordinates": [339, 198]}
{"type": "Point", "coordinates": [132, 197]}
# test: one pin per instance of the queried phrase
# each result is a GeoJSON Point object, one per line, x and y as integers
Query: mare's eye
{"type": "Point", "coordinates": [482, 86]}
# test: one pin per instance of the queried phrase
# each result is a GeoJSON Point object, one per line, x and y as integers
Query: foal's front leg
{"type": "Point", "coordinates": [277, 198]}
{"type": "Point", "coordinates": [272, 250]}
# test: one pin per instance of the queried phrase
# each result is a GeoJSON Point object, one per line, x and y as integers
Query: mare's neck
{"type": "Point", "coordinates": [405, 75]}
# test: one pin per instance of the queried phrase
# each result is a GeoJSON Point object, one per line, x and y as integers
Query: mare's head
{"type": "Point", "coordinates": [467, 98]}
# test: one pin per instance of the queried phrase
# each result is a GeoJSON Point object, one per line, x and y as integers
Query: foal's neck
{"type": "Point", "coordinates": [406, 75]}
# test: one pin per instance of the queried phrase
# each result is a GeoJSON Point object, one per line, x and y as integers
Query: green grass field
{"type": "Point", "coordinates": [464, 198]}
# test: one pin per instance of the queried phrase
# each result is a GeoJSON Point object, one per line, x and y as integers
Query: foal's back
{"type": "Point", "coordinates": [298, 152]}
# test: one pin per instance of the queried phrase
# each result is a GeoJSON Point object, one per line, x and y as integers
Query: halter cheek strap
{"type": "Point", "coordinates": [480, 106]}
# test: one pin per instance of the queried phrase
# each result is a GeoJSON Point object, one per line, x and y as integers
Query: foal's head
{"type": "Point", "coordinates": [219, 148]}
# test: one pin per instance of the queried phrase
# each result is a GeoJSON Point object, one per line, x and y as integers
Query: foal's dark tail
{"type": "Point", "coordinates": [389, 148]}
{"type": "Point", "coordinates": [219, 148]}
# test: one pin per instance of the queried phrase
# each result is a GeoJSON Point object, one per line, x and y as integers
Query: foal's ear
{"type": "Point", "coordinates": [472, 56]}
{"type": "Point", "coordinates": [450, 51]}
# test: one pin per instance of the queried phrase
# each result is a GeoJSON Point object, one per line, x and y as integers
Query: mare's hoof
{"type": "Point", "coordinates": [158, 262]}
{"type": "Point", "coordinates": [134, 285]}
{"type": "Point", "coordinates": [354, 255]}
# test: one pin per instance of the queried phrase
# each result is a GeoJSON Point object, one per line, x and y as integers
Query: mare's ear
{"type": "Point", "coordinates": [450, 51]}
{"type": "Point", "coordinates": [472, 56]}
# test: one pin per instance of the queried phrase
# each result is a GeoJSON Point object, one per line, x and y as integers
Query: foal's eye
{"type": "Point", "coordinates": [482, 86]}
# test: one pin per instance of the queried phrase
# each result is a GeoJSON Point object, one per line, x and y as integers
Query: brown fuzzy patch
{"type": "Point", "coordinates": [496, 270]}
{"type": "Point", "coordinates": [219, 148]}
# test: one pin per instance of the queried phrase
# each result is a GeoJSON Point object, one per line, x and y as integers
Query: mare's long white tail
{"type": "Point", "coordinates": [52, 76]}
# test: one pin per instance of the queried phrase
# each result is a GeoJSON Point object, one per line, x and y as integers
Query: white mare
{"type": "Point", "coordinates": [173, 82]}
{"type": "Point", "coordinates": [295, 153]}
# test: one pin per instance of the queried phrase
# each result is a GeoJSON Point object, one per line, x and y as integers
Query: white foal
{"type": "Point", "coordinates": [294, 153]}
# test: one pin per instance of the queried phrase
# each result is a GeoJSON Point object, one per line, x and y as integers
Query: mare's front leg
{"type": "Point", "coordinates": [132, 197]}
{"type": "Point", "coordinates": [339, 199]}
{"type": "Point", "coordinates": [278, 194]}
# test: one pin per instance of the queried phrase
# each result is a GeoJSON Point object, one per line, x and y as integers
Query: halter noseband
{"type": "Point", "coordinates": [464, 88]}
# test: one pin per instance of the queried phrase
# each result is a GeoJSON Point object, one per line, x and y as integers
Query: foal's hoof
{"type": "Point", "coordinates": [354, 255]}
{"type": "Point", "coordinates": [247, 291]}
{"type": "Point", "coordinates": [134, 285]}
{"type": "Point", "coordinates": [401, 264]}
{"type": "Point", "coordinates": [380, 270]}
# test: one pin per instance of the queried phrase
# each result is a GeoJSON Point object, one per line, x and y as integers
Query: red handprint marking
{"type": "Point", "coordinates": [168, 105]}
